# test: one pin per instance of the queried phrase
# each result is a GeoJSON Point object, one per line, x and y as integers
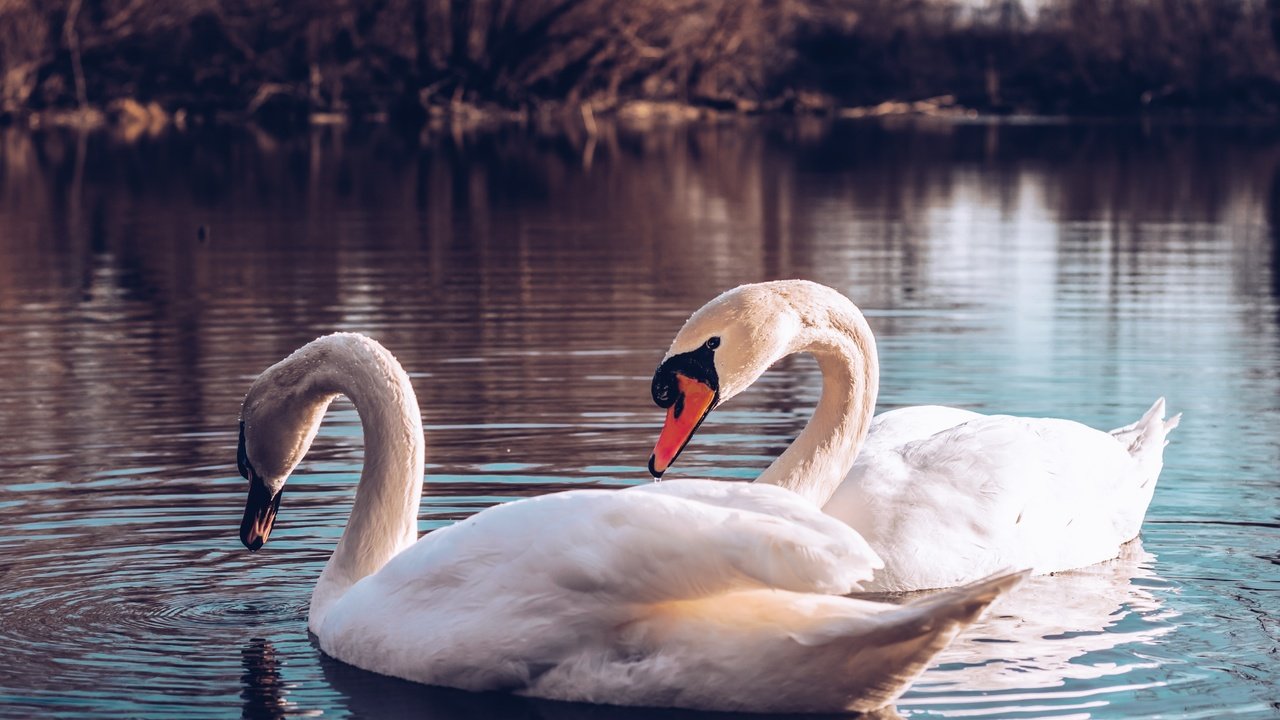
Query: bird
{"type": "Point", "coordinates": [943, 495]}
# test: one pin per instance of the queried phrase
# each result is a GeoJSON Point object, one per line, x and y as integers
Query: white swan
{"type": "Point", "coordinates": [694, 594]}
{"type": "Point", "coordinates": [943, 495]}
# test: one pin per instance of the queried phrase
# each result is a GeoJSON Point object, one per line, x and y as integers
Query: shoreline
{"type": "Point", "coordinates": [131, 118]}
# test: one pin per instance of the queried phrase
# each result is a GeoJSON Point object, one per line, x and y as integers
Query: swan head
{"type": "Point", "coordinates": [280, 417]}
{"type": "Point", "coordinates": [723, 348]}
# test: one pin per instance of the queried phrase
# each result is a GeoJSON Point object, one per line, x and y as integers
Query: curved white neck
{"type": "Point", "coordinates": [384, 516]}
{"type": "Point", "coordinates": [817, 462]}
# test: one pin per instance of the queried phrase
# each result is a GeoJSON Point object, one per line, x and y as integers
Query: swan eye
{"type": "Point", "coordinates": [712, 343]}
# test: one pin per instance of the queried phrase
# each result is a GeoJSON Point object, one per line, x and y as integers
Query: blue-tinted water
{"type": "Point", "coordinates": [530, 283]}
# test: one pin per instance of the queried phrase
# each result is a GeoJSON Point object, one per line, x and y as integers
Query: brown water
{"type": "Point", "coordinates": [530, 284]}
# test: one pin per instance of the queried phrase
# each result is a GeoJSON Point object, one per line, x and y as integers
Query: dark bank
{"type": "Point", "coordinates": [413, 62]}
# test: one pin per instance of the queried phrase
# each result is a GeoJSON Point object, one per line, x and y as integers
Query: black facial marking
{"type": "Point", "coordinates": [697, 364]}
{"type": "Point", "coordinates": [242, 457]}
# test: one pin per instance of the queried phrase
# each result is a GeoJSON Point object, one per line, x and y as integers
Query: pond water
{"type": "Point", "coordinates": [530, 282]}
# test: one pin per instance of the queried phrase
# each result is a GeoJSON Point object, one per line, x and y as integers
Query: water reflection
{"type": "Point", "coordinates": [530, 287]}
{"type": "Point", "coordinates": [263, 688]}
{"type": "Point", "coordinates": [1052, 639]}
{"type": "Point", "coordinates": [1273, 219]}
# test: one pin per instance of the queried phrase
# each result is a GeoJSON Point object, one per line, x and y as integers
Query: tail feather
{"type": "Point", "coordinates": [1145, 442]}
{"type": "Point", "coordinates": [1170, 424]}
{"type": "Point", "coordinates": [1148, 432]}
{"type": "Point", "coordinates": [962, 605]}
{"type": "Point", "coordinates": [909, 637]}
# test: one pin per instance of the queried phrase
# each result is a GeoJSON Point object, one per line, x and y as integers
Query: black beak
{"type": "Point", "coordinates": [259, 513]}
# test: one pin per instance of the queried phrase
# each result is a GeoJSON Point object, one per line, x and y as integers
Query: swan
{"type": "Point", "coordinates": [943, 495]}
{"type": "Point", "coordinates": [693, 594]}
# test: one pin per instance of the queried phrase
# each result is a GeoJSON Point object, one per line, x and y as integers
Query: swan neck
{"type": "Point", "coordinates": [821, 456]}
{"type": "Point", "coordinates": [384, 515]}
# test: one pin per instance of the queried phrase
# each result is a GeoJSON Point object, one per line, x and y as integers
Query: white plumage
{"type": "Point", "coordinates": [943, 495]}
{"type": "Point", "coordinates": [992, 491]}
{"type": "Point", "coordinates": [688, 594]}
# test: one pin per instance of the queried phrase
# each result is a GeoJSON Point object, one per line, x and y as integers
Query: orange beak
{"type": "Point", "coordinates": [694, 400]}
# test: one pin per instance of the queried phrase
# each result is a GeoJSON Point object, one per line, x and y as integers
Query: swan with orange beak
{"type": "Point", "coordinates": [942, 494]}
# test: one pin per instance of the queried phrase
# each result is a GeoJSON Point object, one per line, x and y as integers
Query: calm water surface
{"type": "Point", "coordinates": [530, 283]}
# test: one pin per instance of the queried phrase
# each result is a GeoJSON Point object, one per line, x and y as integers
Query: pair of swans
{"type": "Point", "coordinates": [698, 594]}
{"type": "Point", "coordinates": [942, 495]}
{"type": "Point", "coordinates": [693, 594]}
